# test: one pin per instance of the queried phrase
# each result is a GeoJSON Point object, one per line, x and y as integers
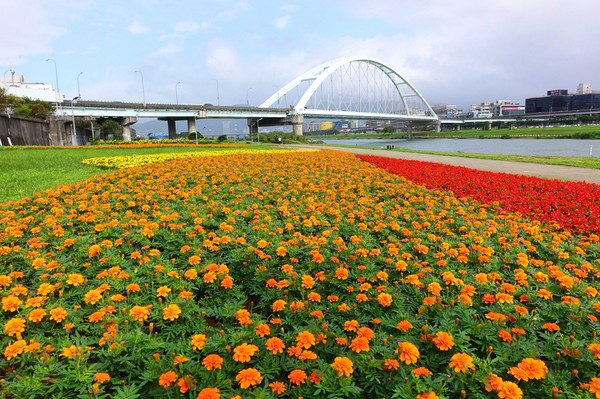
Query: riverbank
{"type": "Point", "coordinates": [558, 132]}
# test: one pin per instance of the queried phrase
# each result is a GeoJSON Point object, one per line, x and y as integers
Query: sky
{"type": "Point", "coordinates": [458, 52]}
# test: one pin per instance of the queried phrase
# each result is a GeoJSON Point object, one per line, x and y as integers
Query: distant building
{"type": "Point", "coordinates": [561, 100]}
{"type": "Point", "coordinates": [483, 110]}
{"type": "Point", "coordinates": [15, 85]}
{"type": "Point", "coordinates": [447, 111]}
{"type": "Point", "coordinates": [507, 108]}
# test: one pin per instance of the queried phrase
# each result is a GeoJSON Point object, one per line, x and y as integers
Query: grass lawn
{"type": "Point", "coordinates": [24, 171]}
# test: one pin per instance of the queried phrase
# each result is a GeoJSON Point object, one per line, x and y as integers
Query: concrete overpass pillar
{"type": "Point", "coordinates": [438, 126]}
{"type": "Point", "coordinates": [252, 127]}
{"type": "Point", "coordinates": [171, 123]}
{"type": "Point", "coordinates": [297, 122]}
{"type": "Point", "coordinates": [126, 123]}
{"type": "Point", "coordinates": [191, 125]}
{"type": "Point", "coordinates": [409, 129]}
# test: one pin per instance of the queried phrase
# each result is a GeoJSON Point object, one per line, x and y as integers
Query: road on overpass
{"type": "Point", "coordinates": [557, 172]}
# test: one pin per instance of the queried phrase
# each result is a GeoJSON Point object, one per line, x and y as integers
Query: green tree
{"type": "Point", "coordinates": [24, 106]}
{"type": "Point", "coordinates": [111, 127]}
{"type": "Point", "coordinates": [388, 129]}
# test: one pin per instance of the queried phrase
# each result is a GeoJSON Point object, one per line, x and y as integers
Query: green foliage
{"type": "Point", "coordinates": [222, 138]}
{"type": "Point", "coordinates": [26, 107]}
{"type": "Point", "coordinates": [112, 128]}
{"type": "Point", "coordinates": [388, 129]}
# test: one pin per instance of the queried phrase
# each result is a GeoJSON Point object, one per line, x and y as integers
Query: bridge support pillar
{"type": "Point", "coordinates": [191, 122]}
{"type": "Point", "coordinates": [438, 126]}
{"type": "Point", "coordinates": [409, 129]}
{"type": "Point", "coordinates": [126, 124]}
{"type": "Point", "coordinates": [297, 122]}
{"type": "Point", "coordinates": [172, 128]}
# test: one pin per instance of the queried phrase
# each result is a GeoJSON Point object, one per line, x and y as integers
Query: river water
{"type": "Point", "coordinates": [540, 147]}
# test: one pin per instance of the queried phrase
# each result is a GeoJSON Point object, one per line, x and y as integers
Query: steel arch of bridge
{"type": "Point", "coordinates": [411, 104]}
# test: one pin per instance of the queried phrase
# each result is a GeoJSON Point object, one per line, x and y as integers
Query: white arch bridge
{"type": "Point", "coordinates": [345, 88]}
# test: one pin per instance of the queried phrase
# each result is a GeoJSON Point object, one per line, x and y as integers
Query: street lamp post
{"type": "Point", "coordinates": [247, 101]}
{"type": "Point", "coordinates": [258, 131]}
{"type": "Point", "coordinates": [57, 95]}
{"type": "Point", "coordinates": [78, 88]}
{"type": "Point", "coordinates": [176, 95]}
{"type": "Point", "coordinates": [143, 91]}
{"type": "Point", "coordinates": [73, 102]}
{"type": "Point", "coordinates": [218, 100]}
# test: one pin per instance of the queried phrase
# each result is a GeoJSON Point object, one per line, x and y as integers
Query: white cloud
{"type": "Point", "coordinates": [282, 22]}
{"type": "Point", "coordinates": [186, 27]}
{"type": "Point", "coordinates": [137, 28]}
{"type": "Point", "coordinates": [27, 34]}
{"type": "Point", "coordinates": [167, 50]}
{"type": "Point", "coordinates": [221, 60]}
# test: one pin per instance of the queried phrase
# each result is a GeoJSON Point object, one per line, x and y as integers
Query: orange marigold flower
{"type": "Point", "coordinates": [551, 327]}
{"type": "Point", "coordinates": [278, 305]}
{"type": "Point", "coordinates": [427, 395]}
{"type": "Point", "coordinates": [421, 372]}
{"type": "Point", "coordinates": [209, 393]}
{"type": "Point", "coordinates": [404, 325]}
{"type": "Point", "coordinates": [351, 325]}
{"type": "Point", "coordinates": [305, 339]}
{"type": "Point", "coordinates": [194, 260]}
{"type": "Point", "coordinates": [140, 313]}
{"type": "Point", "coordinates": [100, 377]}
{"type": "Point", "coordinates": [461, 362]}
{"type": "Point", "coordinates": [365, 332]}
{"type": "Point", "coordinates": [248, 377]}
{"type": "Point", "coordinates": [544, 293]}
{"type": "Point", "coordinates": [275, 345]}
{"type": "Point", "coordinates": [198, 341]}
{"type": "Point", "coordinates": [15, 349]}
{"type": "Point", "coordinates": [594, 386]}
{"type": "Point", "coordinates": [297, 376]}
{"type": "Point", "coordinates": [529, 368]}
{"type": "Point", "coordinates": [133, 287]}
{"type": "Point", "coordinates": [443, 341]}
{"type": "Point", "coordinates": [179, 359]}
{"type": "Point", "coordinates": [92, 296]}
{"type": "Point", "coordinates": [505, 336]}
{"type": "Point", "coordinates": [384, 299]}
{"type": "Point", "coordinates": [166, 379]}
{"type": "Point", "coordinates": [212, 361]}
{"type": "Point", "coordinates": [171, 312]}
{"type": "Point", "coordinates": [343, 366]}
{"type": "Point", "coordinates": [360, 344]}
{"type": "Point", "coordinates": [36, 315]}
{"type": "Point", "coordinates": [244, 352]}
{"type": "Point", "coordinates": [71, 351]}
{"type": "Point", "coordinates": [595, 347]}
{"type": "Point", "coordinates": [11, 303]}
{"type": "Point", "coordinates": [408, 352]}
{"type": "Point", "coordinates": [163, 291]}
{"type": "Point", "coordinates": [75, 279]}
{"type": "Point", "coordinates": [509, 390]}
{"type": "Point", "coordinates": [14, 327]}
{"type": "Point", "coordinates": [227, 282]}
{"type": "Point", "coordinates": [262, 330]}
{"type": "Point", "coordinates": [307, 281]}
{"type": "Point", "coordinates": [277, 387]}
{"type": "Point", "coordinates": [391, 364]}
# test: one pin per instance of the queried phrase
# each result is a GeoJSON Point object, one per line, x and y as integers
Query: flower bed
{"type": "Point", "coordinates": [130, 161]}
{"type": "Point", "coordinates": [572, 205]}
{"type": "Point", "coordinates": [306, 274]}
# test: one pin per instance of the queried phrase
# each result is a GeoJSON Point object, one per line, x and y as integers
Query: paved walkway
{"type": "Point", "coordinates": [521, 168]}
